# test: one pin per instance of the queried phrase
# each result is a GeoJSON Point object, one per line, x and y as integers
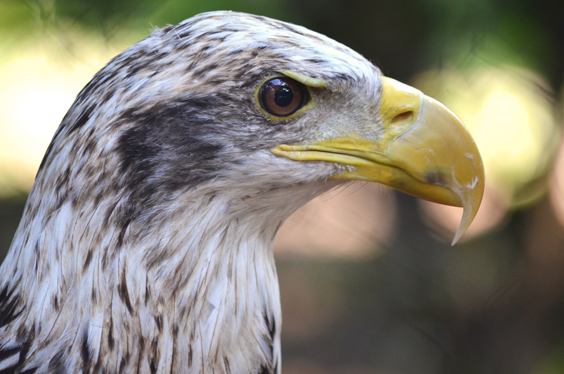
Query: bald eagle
{"type": "Point", "coordinates": [146, 241]}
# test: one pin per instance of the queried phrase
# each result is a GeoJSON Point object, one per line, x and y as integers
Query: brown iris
{"type": "Point", "coordinates": [282, 96]}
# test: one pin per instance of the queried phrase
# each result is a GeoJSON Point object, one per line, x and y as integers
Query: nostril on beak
{"type": "Point", "coordinates": [402, 118]}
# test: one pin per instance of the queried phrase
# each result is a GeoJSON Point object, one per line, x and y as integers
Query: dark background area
{"type": "Point", "coordinates": [494, 304]}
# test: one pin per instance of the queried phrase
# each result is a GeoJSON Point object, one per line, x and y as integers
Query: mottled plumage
{"type": "Point", "coordinates": [146, 241]}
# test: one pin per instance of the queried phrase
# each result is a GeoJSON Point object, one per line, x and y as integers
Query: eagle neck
{"type": "Point", "coordinates": [215, 279]}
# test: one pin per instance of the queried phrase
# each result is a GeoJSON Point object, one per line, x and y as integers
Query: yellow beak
{"type": "Point", "coordinates": [425, 151]}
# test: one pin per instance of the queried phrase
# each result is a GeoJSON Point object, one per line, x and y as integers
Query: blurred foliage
{"type": "Point", "coordinates": [127, 20]}
{"type": "Point", "coordinates": [405, 36]}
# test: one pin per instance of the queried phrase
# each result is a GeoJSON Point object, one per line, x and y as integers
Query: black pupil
{"type": "Point", "coordinates": [283, 96]}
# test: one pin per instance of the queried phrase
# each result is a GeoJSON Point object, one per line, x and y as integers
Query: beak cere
{"type": "Point", "coordinates": [425, 151]}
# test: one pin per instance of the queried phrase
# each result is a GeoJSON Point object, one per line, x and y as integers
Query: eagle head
{"type": "Point", "coordinates": [146, 240]}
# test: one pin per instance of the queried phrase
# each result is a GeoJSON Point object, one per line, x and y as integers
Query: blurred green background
{"type": "Point", "coordinates": [396, 298]}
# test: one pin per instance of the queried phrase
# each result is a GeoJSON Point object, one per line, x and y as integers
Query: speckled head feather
{"type": "Point", "coordinates": [145, 245]}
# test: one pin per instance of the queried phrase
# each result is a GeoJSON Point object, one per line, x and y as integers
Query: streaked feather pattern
{"type": "Point", "coordinates": [145, 245]}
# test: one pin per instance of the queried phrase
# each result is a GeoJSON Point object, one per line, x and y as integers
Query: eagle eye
{"type": "Point", "coordinates": [282, 96]}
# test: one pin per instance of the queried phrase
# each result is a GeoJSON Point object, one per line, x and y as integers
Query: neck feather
{"type": "Point", "coordinates": [191, 287]}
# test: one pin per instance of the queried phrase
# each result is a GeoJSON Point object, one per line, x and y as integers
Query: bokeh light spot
{"type": "Point", "coordinates": [37, 87]}
{"type": "Point", "coordinates": [513, 122]}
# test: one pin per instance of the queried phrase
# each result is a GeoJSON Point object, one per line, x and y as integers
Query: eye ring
{"type": "Point", "coordinates": [282, 96]}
